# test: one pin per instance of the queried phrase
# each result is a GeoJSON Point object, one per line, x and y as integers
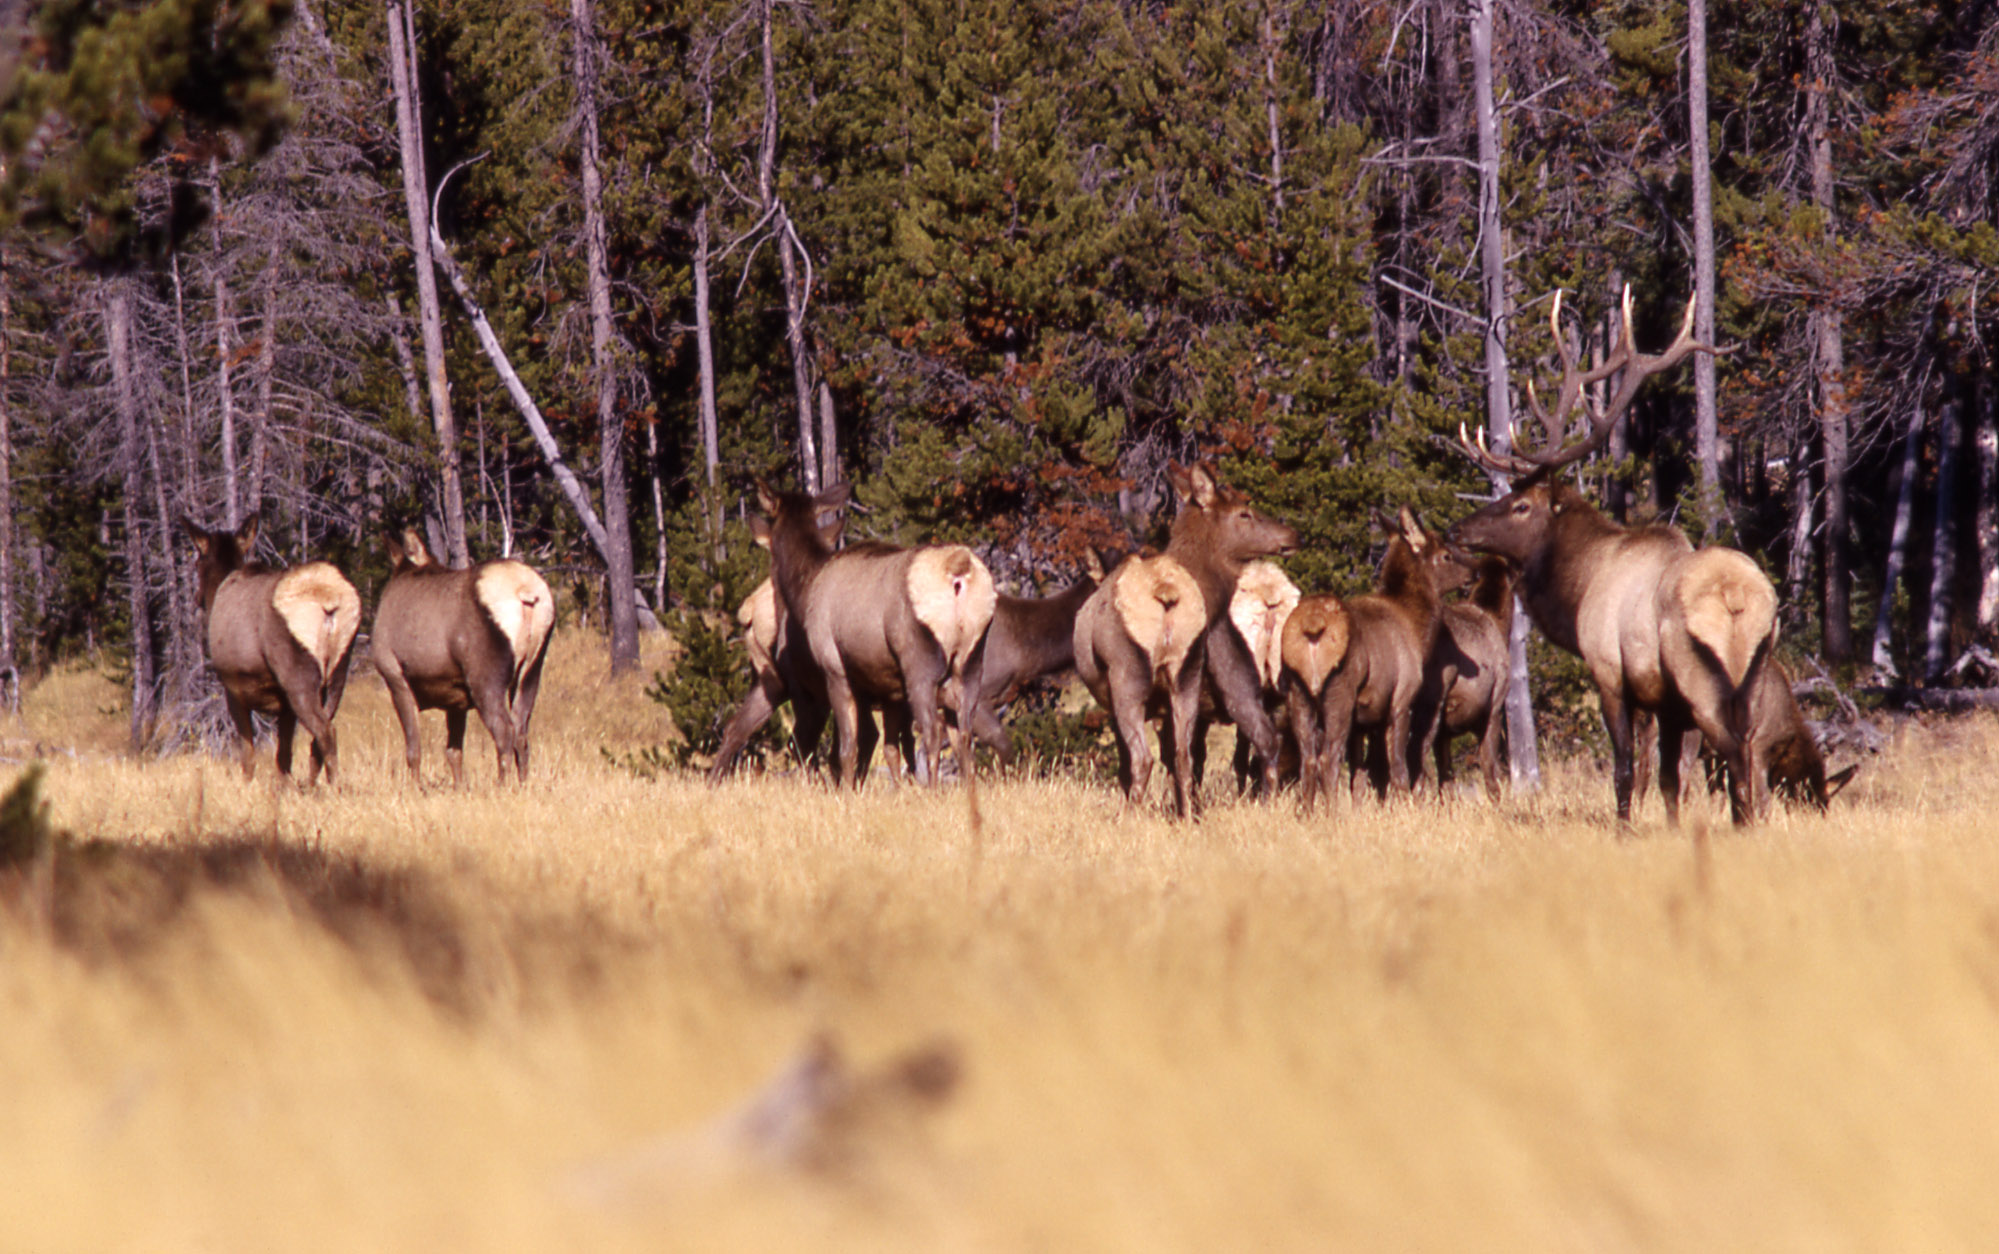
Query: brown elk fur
{"type": "Point", "coordinates": [1793, 766]}
{"type": "Point", "coordinates": [459, 640]}
{"type": "Point", "coordinates": [1135, 668]}
{"type": "Point", "coordinates": [1464, 687]}
{"type": "Point", "coordinates": [279, 642]}
{"type": "Point", "coordinates": [1031, 638]}
{"type": "Point", "coordinates": [884, 624]}
{"type": "Point", "coordinates": [1372, 688]}
{"type": "Point", "coordinates": [1662, 627]}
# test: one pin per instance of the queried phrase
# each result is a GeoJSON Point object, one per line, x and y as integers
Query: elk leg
{"type": "Point", "coordinates": [325, 750]}
{"type": "Point", "coordinates": [287, 726]}
{"type": "Point", "coordinates": [405, 702]}
{"type": "Point", "coordinates": [846, 721]}
{"type": "Point", "coordinates": [762, 701]}
{"type": "Point", "coordinates": [1617, 721]}
{"type": "Point", "coordinates": [523, 712]}
{"type": "Point", "coordinates": [1305, 730]}
{"type": "Point", "coordinates": [499, 723]}
{"type": "Point", "coordinates": [1183, 718]}
{"type": "Point", "coordinates": [1337, 708]}
{"type": "Point", "coordinates": [246, 733]}
{"type": "Point", "coordinates": [1736, 755]}
{"type": "Point", "coordinates": [454, 745]}
{"type": "Point", "coordinates": [898, 749]}
{"type": "Point", "coordinates": [1488, 752]}
{"type": "Point", "coordinates": [1673, 729]}
{"type": "Point", "coordinates": [1396, 746]}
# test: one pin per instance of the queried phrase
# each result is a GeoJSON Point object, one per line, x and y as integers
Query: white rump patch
{"type": "Point", "coordinates": [1315, 639]}
{"type": "Point", "coordinates": [758, 616]}
{"type": "Point", "coordinates": [952, 593]}
{"type": "Point", "coordinates": [518, 602]}
{"type": "Point", "coordinates": [1161, 608]}
{"type": "Point", "coordinates": [320, 609]}
{"type": "Point", "coordinates": [1263, 599]}
{"type": "Point", "coordinates": [1728, 605]}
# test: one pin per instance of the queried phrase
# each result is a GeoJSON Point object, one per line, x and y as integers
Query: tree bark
{"type": "Point", "coordinates": [1522, 751]}
{"type": "Point", "coordinates": [1707, 438]}
{"type": "Point", "coordinates": [1943, 550]}
{"type": "Point", "coordinates": [430, 318]}
{"type": "Point", "coordinates": [10, 667]}
{"type": "Point", "coordinates": [1987, 412]}
{"type": "Point", "coordinates": [704, 352]}
{"type": "Point", "coordinates": [232, 497]}
{"type": "Point", "coordinates": [1882, 652]}
{"type": "Point", "coordinates": [118, 338]}
{"type": "Point", "coordinates": [1830, 351]}
{"type": "Point", "coordinates": [260, 430]}
{"type": "Point", "coordinates": [619, 588]}
{"type": "Point", "coordinates": [797, 287]}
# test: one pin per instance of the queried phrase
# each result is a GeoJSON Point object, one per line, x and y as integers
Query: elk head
{"type": "Point", "coordinates": [1219, 522]}
{"type": "Point", "coordinates": [822, 516]}
{"type": "Point", "coordinates": [1517, 525]}
{"type": "Point", "coordinates": [219, 553]}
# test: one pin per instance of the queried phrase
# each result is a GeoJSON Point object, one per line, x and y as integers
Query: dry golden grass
{"type": "Point", "coordinates": [1419, 1028]}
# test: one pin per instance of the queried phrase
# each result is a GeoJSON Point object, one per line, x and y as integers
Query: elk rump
{"type": "Point", "coordinates": [459, 640]}
{"type": "Point", "coordinates": [279, 642]}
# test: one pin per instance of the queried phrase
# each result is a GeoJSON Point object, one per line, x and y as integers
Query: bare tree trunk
{"type": "Point", "coordinates": [619, 589]}
{"type": "Point", "coordinates": [1522, 750]}
{"type": "Point", "coordinates": [1988, 507]}
{"type": "Point", "coordinates": [797, 288]}
{"type": "Point", "coordinates": [189, 462]}
{"type": "Point", "coordinates": [430, 319]}
{"type": "Point", "coordinates": [10, 667]}
{"type": "Point", "coordinates": [1943, 550]}
{"type": "Point", "coordinates": [260, 430]}
{"type": "Point", "coordinates": [829, 435]}
{"type": "Point", "coordinates": [704, 352]}
{"type": "Point", "coordinates": [1830, 348]}
{"type": "Point", "coordinates": [1798, 569]}
{"type": "Point", "coordinates": [118, 337]}
{"type": "Point", "coordinates": [1882, 654]}
{"type": "Point", "coordinates": [232, 498]}
{"type": "Point", "coordinates": [1707, 439]}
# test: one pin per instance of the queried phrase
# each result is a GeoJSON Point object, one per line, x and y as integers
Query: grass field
{"type": "Point", "coordinates": [383, 1018]}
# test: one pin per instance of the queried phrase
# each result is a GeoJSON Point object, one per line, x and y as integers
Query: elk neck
{"type": "Point", "coordinates": [1405, 582]}
{"type": "Point", "coordinates": [1196, 544]}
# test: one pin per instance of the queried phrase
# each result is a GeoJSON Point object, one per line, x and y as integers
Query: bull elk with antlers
{"type": "Point", "coordinates": [1662, 626]}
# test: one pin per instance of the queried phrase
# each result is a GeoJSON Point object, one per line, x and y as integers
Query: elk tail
{"type": "Point", "coordinates": [1263, 599]}
{"type": "Point", "coordinates": [1728, 606]}
{"type": "Point", "coordinates": [517, 601]}
{"type": "Point", "coordinates": [321, 611]}
{"type": "Point", "coordinates": [1162, 610]}
{"type": "Point", "coordinates": [1315, 639]}
{"type": "Point", "coordinates": [952, 594]}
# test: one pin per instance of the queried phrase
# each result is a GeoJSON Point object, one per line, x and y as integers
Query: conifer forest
{"type": "Point", "coordinates": [566, 279]}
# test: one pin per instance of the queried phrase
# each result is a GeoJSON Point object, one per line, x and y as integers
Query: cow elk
{"type": "Point", "coordinates": [1354, 667]}
{"type": "Point", "coordinates": [1031, 638]}
{"type": "Point", "coordinates": [1464, 687]}
{"type": "Point", "coordinates": [1140, 638]}
{"type": "Point", "coordinates": [460, 640]}
{"type": "Point", "coordinates": [279, 642]}
{"type": "Point", "coordinates": [883, 624]}
{"type": "Point", "coordinates": [1663, 627]}
{"type": "Point", "coordinates": [1264, 598]}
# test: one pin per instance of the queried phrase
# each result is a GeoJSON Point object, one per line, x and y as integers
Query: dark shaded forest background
{"type": "Point", "coordinates": [995, 262]}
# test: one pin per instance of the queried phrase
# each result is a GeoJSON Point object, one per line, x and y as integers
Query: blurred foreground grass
{"type": "Point", "coordinates": [250, 1017]}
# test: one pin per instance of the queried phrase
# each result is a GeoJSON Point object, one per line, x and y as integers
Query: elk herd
{"type": "Point", "coordinates": [1208, 631]}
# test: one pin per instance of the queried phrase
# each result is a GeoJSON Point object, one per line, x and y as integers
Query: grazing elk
{"type": "Point", "coordinates": [1355, 667]}
{"type": "Point", "coordinates": [1464, 687]}
{"type": "Point", "coordinates": [1663, 627]}
{"type": "Point", "coordinates": [1793, 766]}
{"type": "Point", "coordinates": [883, 624]}
{"type": "Point", "coordinates": [459, 640]}
{"type": "Point", "coordinates": [1140, 639]}
{"type": "Point", "coordinates": [781, 670]}
{"type": "Point", "coordinates": [279, 641]}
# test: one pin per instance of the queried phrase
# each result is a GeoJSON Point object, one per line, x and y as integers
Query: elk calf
{"type": "Point", "coordinates": [1030, 638]}
{"type": "Point", "coordinates": [1793, 766]}
{"type": "Point", "coordinates": [279, 641]}
{"type": "Point", "coordinates": [884, 624]}
{"type": "Point", "coordinates": [1131, 641]}
{"type": "Point", "coordinates": [458, 640]}
{"type": "Point", "coordinates": [1264, 598]}
{"type": "Point", "coordinates": [1464, 686]}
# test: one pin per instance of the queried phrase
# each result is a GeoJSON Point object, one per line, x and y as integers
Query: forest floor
{"type": "Point", "coordinates": [582, 1014]}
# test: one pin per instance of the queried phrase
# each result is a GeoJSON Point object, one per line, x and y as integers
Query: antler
{"type": "Point", "coordinates": [1624, 360]}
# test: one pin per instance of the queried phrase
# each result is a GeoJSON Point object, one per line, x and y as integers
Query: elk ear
{"type": "Point", "coordinates": [1836, 782]}
{"type": "Point", "coordinates": [415, 551]}
{"type": "Point", "coordinates": [1182, 481]}
{"type": "Point", "coordinates": [1093, 564]}
{"type": "Point", "coordinates": [835, 497]}
{"type": "Point", "coordinates": [766, 499]}
{"type": "Point", "coordinates": [246, 535]}
{"type": "Point", "coordinates": [394, 548]}
{"type": "Point", "coordinates": [760, 530]}
{"type": "Point", "coordinates": [1412, 528]}
{"type": "Point", "coordinates": [1206, 486]}
{"type": "Point", "coordinates": [196, 534]}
